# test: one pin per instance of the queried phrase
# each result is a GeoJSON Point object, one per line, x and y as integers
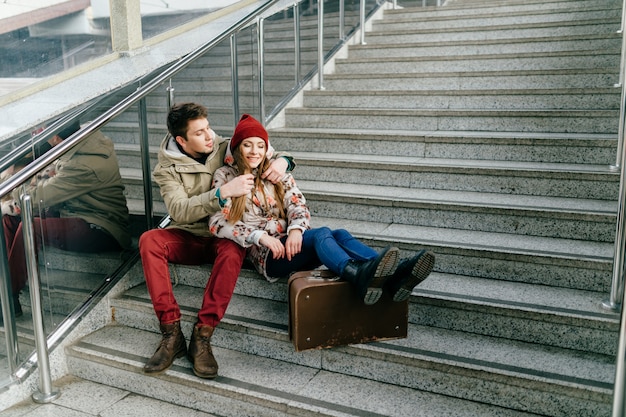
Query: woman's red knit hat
{"type": "Point", "coordinates": [248, 127]}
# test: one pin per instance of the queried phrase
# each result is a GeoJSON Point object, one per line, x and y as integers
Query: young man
{"type": "Point", "coordinates": [188, 157]}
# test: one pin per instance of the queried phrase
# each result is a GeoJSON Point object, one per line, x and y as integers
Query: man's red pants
{"type": "Point", "coordinates": [67, 233]}
{"type": "Point", "coordinates": [159, 247]}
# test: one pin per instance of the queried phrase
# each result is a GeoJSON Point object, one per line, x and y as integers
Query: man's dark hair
{"type": "Point", "coordinates": [180, 115]}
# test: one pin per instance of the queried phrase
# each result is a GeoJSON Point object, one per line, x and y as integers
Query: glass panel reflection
{"type": "Point", "coordinates": [81, 227]}
{"type": "Point", "coordinates": [38, 40]}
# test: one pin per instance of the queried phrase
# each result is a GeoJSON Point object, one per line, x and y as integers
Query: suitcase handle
{"type": "Point", "coordinates": [323, 274]}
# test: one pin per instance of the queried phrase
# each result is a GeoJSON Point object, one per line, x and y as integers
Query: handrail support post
{"type": "Point", "coordinates": [46, 393]}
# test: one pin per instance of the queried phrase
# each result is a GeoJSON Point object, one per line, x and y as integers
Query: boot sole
{"type": "Point", "coordinates": [385, 268]}
{"type": "Point", "coordinates": [421, 270]}
{"type": "Point", "coordinates": [200, 374]}
{"type": "Point", "coordinates": [204, 376]}
{"type": "Point", "coordinates": [180, 354]}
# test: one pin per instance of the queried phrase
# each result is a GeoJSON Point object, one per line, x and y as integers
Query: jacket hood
{"type": "Point", "coordinates": [98, 145]}
{"type": "Point", "coordinates": [171, 155]}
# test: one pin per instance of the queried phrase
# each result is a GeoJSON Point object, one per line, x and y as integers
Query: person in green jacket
{"type": "Point", "coordinates": [79, 206]}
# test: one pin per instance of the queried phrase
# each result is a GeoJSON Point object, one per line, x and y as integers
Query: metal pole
{"type": "Point", "coordinates": [145, 163]}
{"type": "Point", "coordinates": [620, 134]}
{"type": "Point", "coordinates": [296, 33]}
{"type": "Point", "coordinates": [618, 387]}
{"type": "Point", "coordinates": [47, 393]}
{"type": "Point", "coordinates": [170, 95]}
{"type": "Point", "coordinates": [617, 282]}
{"type": "Point", "coordinates": [234, 76]}
{"type": "Point", "coordinates": [260, 69]}
{"type": "Point", "coordinates": [362, 24]}
{"type": "Point", "coordinates": [342, 18]}
{"type": "Point", "coordinates": [320, 43]}
{"type": "Point", "coordinates": [8, 315]}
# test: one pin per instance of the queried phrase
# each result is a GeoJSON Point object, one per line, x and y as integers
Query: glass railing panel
{"type": "Point", "coordinates": [160, 16]}
{"type": "Point", "coordinates": [331, 25]}
{"type": "Point", "coordinates": [16, 330]}
{"type": "Point", "coordinates": [280, 49]}
{"type": "Point", "coordinates": [215, 89]}
{"type": "Point", "coordinates": [352, 14]}
{"type": "Point", "coordinates": [82, 222]}
{"type": "Point", "coordinates": [83, 225]}
{"type": "Point", "coordinates": [248, 81]}
{"type": "Point", "coordinates": [48, 46]}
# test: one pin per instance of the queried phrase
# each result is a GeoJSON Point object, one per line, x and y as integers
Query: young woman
{"type": "Point", "coordinates": [272, 221]}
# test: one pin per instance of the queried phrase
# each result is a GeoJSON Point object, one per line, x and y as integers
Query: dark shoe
{"type": "Point", "coordinates": [200, 352]}
{"type": "Point", "coordinates": [17, 307]}
{"type": "Point", "coordinates": [410, 273]}
{"type": "Point", "coordinates": [370, 276]}
{"type": "Point", "coordinates": [172, 346]}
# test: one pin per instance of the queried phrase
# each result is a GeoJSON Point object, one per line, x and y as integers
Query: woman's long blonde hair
{"type": "Point", "coordinates": [238, 206]}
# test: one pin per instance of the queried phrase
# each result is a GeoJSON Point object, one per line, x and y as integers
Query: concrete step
{"type": "Point", "coordinates": [549, 99]}
{"type": "Point", "coordinates": [427, 358]}
{"type": "Point", "coordinates": [524, 312]}
{"type": "Point", "coordinates": [590, 182]}
{"type": "Point", "coordinates": [598, 43]}
{"type": "Point", "coordinates": [63, 291]}
{"type": "Point", "coordinates": [558, 262]}
{"type": "Point", "coordinates": [538, 179]}
{"type": "Point", "coordinates": [592, 149]}
{"type": "Point", "coordinates": [493, 14]}
{"type": "Point", "coordinates": [516, 311]}
{"type": "Point", "coordinates": [483, 47]}
{"type": "Point", "coordinates": [489, 7]}
{"type": "Point", "coordinates": [384, 33]}
{"type": "Point", "coordinates": [253, 385]}
{"type": "Point", "coordinates": [566, 263]}
{"type": "Point", "coordinates": [548, 121]}
{"type": "Point", "coordinates": [490, 62]}
{"type": "Point", "coordinates": [603, 78]}
{"type": "Point", "coordinates": [514, 215]}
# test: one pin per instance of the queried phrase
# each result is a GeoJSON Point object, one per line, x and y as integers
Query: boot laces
{"type": "Point", "coordinates": [205, 344]}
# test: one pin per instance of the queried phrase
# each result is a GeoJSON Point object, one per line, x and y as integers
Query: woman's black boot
{"type": "Point", "coordinates": [368, 277]}
{"type": "Point", "coordinates": [409, 273]}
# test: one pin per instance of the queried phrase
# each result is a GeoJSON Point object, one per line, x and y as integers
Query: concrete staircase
{"type": "Point", "coordinates": [481, 130]}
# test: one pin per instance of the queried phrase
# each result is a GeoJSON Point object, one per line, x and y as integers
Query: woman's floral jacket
{"type": "Point", "coordinates": [259, 216]}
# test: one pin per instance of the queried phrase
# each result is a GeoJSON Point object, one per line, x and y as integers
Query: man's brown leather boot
{"type": "Point", "coordinates": [172, 346]}
{"type": "Point", "coordinates": [200, 353]}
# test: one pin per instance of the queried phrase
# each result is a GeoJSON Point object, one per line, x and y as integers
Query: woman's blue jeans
{"type": "Point", "coordinates": [332, 248]}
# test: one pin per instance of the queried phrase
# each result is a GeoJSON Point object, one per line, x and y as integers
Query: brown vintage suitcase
{"type": "Point", "coordinates": [326, 312]}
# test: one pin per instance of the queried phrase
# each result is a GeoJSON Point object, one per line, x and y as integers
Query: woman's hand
{"type": "Point", "coordinates": [275, 245]}
{"type": "Point", "coordinates": [293, 244]}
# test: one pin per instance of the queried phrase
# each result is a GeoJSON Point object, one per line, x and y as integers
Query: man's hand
{"type": "Point", "coordinates": [276, 171]}
{"type": "Point", "coordinates": [238, 186]}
